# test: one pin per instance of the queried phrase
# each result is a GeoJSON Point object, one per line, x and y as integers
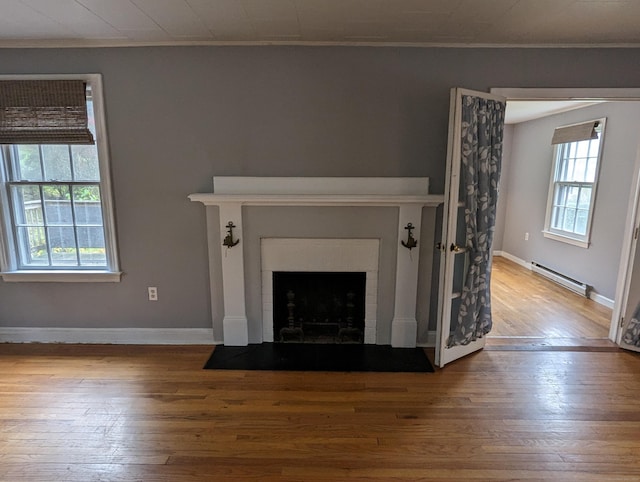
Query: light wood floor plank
{"type": "Point", "coordinates": [123, 413]}
{"type": "Point", "coordinates": [525, 304]}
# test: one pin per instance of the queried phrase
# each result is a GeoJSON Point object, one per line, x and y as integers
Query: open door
{"type": "Point", "coordinates": [625, 326]}
{"type": "Point", "coordinates": [629, 333]}
{"type": "Point", "coordinates": [459, 252]}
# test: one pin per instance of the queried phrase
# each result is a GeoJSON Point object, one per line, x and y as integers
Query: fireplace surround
{"type": "Point", "coordinates": [319, 224]}
{"type": "Point", "coordinates": [320, 255]}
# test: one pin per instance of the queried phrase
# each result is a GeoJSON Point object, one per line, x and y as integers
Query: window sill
{"type": "Point", "coordinates": [62, 276]}
{"type": "Point", "coordinates": [566, 239]}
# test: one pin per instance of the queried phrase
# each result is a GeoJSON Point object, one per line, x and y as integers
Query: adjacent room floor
{"type": "Point", "coordinates": [528, 309]}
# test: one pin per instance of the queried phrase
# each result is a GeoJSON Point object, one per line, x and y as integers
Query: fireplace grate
{"type": "Point", "coordinates": [313, 307]}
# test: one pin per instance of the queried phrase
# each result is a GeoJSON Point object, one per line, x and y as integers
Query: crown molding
{"type": "Point", "coordinates": [126, 43]}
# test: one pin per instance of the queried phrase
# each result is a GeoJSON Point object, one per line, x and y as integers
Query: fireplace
{"type": "Point", "coordinates": [318, 307]}
{"type": "Point", "coordinates": [354, 258]}
{"type": "Point", "coordinates": [369, 227]}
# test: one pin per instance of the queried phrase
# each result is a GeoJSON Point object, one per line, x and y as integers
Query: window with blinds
{"type": "Point", "coordinates": [573, 181]}
{"type": "Point", "coordinates": [58, 214]}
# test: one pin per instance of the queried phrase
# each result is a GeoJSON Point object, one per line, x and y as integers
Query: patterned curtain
{"type": "Point", "coordinates": [632, 335]}
{"type": "Point", "coordinates": [482, 132]}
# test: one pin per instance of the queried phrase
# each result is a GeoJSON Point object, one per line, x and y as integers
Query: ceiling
{"type": "Point", "coordinates": [525, 110]}
{"type": "Point", "coordinates": [54, 23]}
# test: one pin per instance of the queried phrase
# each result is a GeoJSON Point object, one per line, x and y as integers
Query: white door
{"type": "Point", "coordinates": [629, 333]}
{"type": "Point", "coordinates": [453, 256]}
{"type": "Point", "coordinates": [625, 325]}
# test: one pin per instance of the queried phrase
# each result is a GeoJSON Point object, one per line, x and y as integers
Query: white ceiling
{"type": "Point", "coordinates": [525, 110]}
{"type": "Point", "coordinates": [387, 22]}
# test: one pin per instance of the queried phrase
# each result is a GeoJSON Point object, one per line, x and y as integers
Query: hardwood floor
{"type": "Point", "coordinates": [150, 413]}
{"type": "Point", "coordinates": [525, 304]}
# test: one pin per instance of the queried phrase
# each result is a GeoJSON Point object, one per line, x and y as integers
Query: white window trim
{"type": "Point", "coordinates": [563, 236]}
{"type": "Point", "coordinates": [8, 256]}
{"type": "Point", "coordinates": [565, 239]}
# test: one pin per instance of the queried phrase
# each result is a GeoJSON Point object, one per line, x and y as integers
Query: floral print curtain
{"type": "Point", "coordinates": [632, 335]}
{"type": "Point", "coordinates": [482, 134]}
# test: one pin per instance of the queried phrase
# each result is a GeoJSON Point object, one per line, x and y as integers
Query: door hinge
{"type": "Point", "coordinates": [635, 232]}
{"type": "Point", "coordinates": [621, 321]}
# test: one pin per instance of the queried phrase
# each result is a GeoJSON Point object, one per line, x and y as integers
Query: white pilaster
{"type": "Point", "coordinates": [404, 325]}
{"type": "Point", "coordinates": [234, 324]}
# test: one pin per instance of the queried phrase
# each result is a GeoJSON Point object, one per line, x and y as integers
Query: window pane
{"type": "Point", "coordinates": [585, 198]}
{"type": "Point", "coordinates": [32, 246]}
{"type": "Point", "coordinates": [85, 163]}
{"type": "Point", "coordinates": [92, 246]}
{"type": "Point", "coordinates": [57, 203]}
{"type": "Point", "coordinates": [594, 147]}
{"type": "Point", "coordinates": [581, 221]}
{"type": "Point", "coordinates": [582, 149]}
{"type": "Point", "coordinates": [56, 162]}
{"type": "Point", "coordinates": [580, 170]}
{"type": "Point", "coordinates": [561, 195]}
{"type": "Point", "coordinates": [91, 117]}
{"type": "Point", "coordinates": [566, 173]}
{"type": "Point", "coordinates": [569, 220]}
{"type": "Point", "coordinates": [570, 150]}
{"type": "Point", "coordinates": [591, 170]}
{"type": "Point", "coordinates": [86, 203]}
{"type": "Point", "coordinates": [561, 170]}
{"type": "Point", "coordinates": [572, 196]}
{"type": "Point", "coordinates": [29, 168]}
{"type": "Point", "coordinates": [62, 243]}
{"type": "Point", "coordinates": [557, 218]}
{"type": "Point", "coordinates": [27, 205]}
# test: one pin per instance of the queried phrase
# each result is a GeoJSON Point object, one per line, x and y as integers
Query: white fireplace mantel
{"type": "Point", "coordinates": [231, 193]}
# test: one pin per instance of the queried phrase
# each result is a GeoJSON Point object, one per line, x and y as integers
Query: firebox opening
{"type": "Point", "coordinates": [319, 307]}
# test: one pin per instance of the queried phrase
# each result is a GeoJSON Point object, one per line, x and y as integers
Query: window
{"type": "Point", "coordinates": [573, 182]}
{"type": "Point", "coordinates": [57, 215]}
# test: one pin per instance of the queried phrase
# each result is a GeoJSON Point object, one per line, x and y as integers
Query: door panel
{"type": "Point", "coordinates": [629, 336]}
{"type": "Point", "coordinates": [453, 257]}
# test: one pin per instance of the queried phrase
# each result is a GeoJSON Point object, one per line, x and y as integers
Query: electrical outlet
{"type": "Point", "coordinates": [526, 236]}
{"type": "Point", "coordinates": [153, 293]}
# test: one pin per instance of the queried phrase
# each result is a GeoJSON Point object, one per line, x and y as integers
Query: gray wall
{"type": "Point", "coordinates": [177, 116]}
{"type": "Point", "coordinates": [528, 178]}
{"type": "Point", "coordinates": [503, 188]}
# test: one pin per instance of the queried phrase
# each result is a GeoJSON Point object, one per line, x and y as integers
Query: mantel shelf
{"type": "Point", "coordinates": [212, 199]}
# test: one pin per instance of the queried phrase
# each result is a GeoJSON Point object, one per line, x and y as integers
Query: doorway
{"type": "Point", "coordinates": [530, 310]}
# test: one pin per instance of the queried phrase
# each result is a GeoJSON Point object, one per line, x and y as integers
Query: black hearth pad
{"type": "Point", "coordinates": [319, 357]}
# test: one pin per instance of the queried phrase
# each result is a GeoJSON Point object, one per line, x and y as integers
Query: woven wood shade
{"type": "Point", "coordinates": [575, 133]}
{"type": "Point", "coordinates": [44, 112]}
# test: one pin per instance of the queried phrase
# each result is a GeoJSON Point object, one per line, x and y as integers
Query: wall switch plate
{"type": "Point", "coordinates": [526, 236]}
{"type": "Point", "coordinates": [153, 293]}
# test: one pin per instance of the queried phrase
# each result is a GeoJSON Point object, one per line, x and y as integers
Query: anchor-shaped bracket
{"type": "Point", "coordinates": [228, 239]}
{"type": "Point", "coordinates": [411, 241]}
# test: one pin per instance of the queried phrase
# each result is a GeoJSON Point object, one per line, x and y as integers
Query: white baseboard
{"type": "Point", "coordinates": [602, 300]}
{"type": "Point", "coordinates": [513, 258]}
{"type": "Point", "coordinates": [430, 342]}
{"type": "Point", "coordinates": [118, 336]}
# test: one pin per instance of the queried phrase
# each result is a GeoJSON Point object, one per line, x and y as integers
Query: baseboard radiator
{"type": "Point", "coordinates": [569, 283]}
